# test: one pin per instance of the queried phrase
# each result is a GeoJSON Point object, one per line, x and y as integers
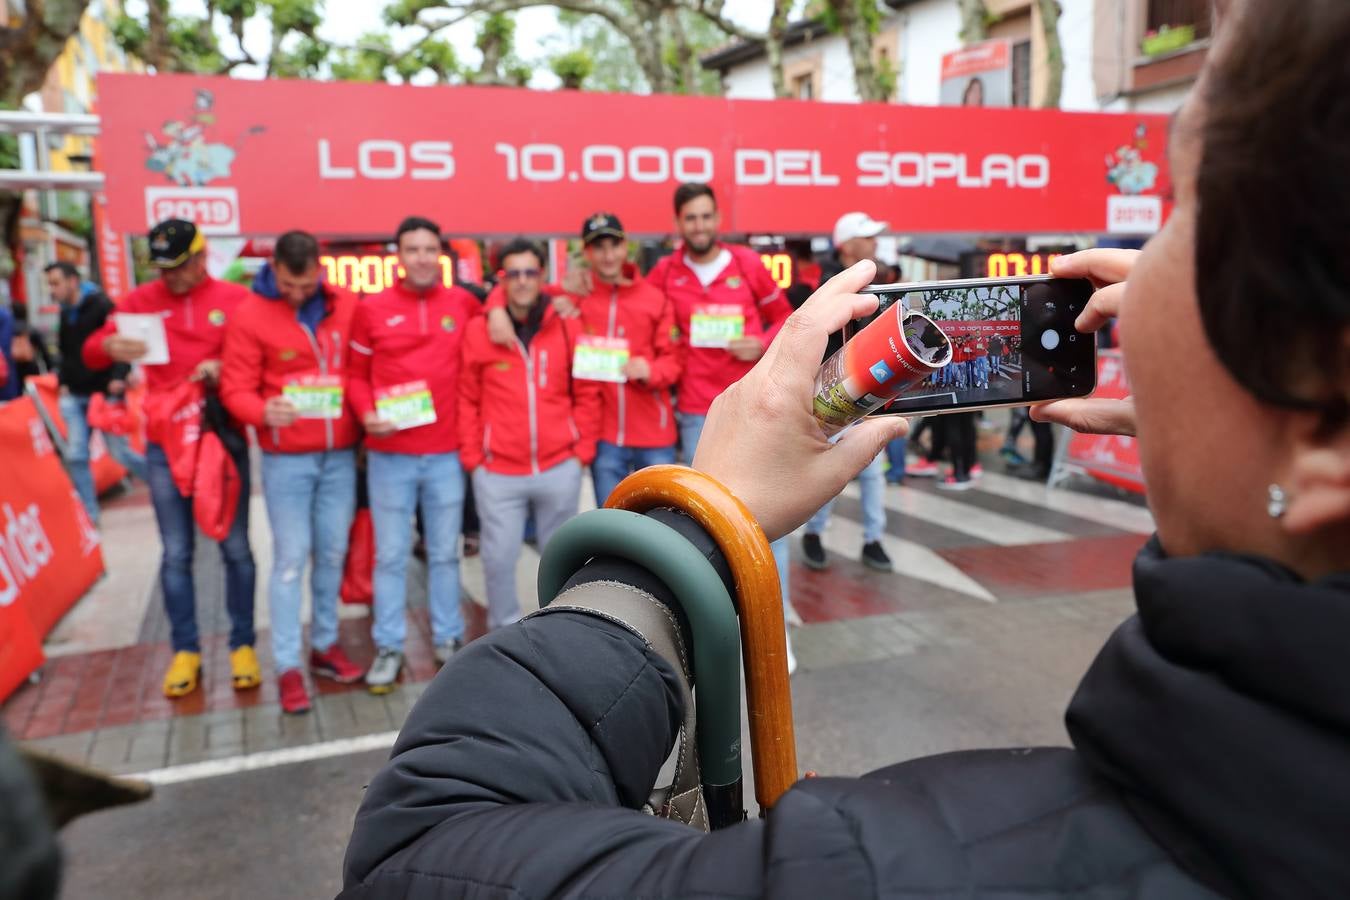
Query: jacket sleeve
{"type": "Point", "coordinates": [102, 312]}
{"type": "Point", "coordinates": [360, 395]}
{"type": "Point", "coordinates": [668, 361]}
{"type": "Point", "coordinates": [772, 303]}
{"type": "Point", "coordinates": [92, 350]}
{"type": "Point", "coordinates": [241, 374]}
{"type": "Point", "coordinates": [520, 771]}
{"type": "Point", "coordinates": [469, 415]}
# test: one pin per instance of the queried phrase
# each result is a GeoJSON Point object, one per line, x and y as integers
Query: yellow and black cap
{"type": "Point", "coordinates": [602, 224]}
{"type": "Point", "coordinates": [173, 241]}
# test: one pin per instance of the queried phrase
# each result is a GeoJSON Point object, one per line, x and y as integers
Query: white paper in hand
{"type": "Point", "coordinates": [149, 329]}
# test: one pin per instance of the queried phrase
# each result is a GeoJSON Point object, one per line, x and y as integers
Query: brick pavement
{"type": "Point", "coordinates": [105, 707]}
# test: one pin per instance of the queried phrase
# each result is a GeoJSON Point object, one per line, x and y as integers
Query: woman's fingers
{"type": "Point", "coordinates": [1090, 415]}
{"type": "Point", "coordinates": [801, 343]}
{"type": "Point", "coordinates": [1102, 307]}
{"type": "Point", "coordinates": [1101, 266]}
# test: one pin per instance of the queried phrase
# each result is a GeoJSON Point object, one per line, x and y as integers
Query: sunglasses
{"type": "Point", "coordinates": [525, 274]}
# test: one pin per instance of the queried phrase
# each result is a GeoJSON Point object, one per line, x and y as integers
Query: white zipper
{"type": "Point", "coordinates": [323, 370]}
{"type": "Point", "coordinates": [623, 388]}
{"type": "Point", "coordinates": [529, 390]}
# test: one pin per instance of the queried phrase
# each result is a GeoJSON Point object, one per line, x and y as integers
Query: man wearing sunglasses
{"type": "Point", "coordinates": [525, 427]}
{"type": "Point", "coordinates": [402, 383]}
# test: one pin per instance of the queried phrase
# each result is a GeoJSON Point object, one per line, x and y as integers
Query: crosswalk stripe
{"type": "Point", "coordinates": [951, 513]}
{"type": "Point", "coordinates": [844, 537]}
{"type": "Point", "coordinates": [1102, 510]}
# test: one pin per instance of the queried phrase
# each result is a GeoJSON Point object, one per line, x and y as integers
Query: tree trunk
{"type": "Point", "coordinates": [157, 47]}
{"type": "Point", "coordinates": [974, 21]}
{"type": "Point", "coordinates": [1054, 54]}
{"type": "Point", "coordinates": [858, 35]}
{"type": "Point", "coordinates": [686, 62]}
{"type": "Point", "coordinates": [773, 46]}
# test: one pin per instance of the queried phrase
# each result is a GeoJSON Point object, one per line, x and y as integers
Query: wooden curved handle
{"type": "Point", "coordinates": [773, 746]}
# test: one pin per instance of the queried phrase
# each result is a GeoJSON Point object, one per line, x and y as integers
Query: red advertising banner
{"type": "Point", "coordinates": [20, 649]}
{"type": "Point", "coordinates": [1108, 457]}
{"type": "Point", "coordinates": [349, 159]}
{"type": "Point", "coordinates": [114, 262]}
{"type": "Point", "coordinates": [49, 550]}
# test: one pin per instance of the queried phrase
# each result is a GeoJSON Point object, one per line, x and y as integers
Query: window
{"type": "Point", "coordinates": [803, 87]}
{"type": "Point", "coordinates": [1179, 13]}
{"type": "Point", "coordinates": [1021, 73]}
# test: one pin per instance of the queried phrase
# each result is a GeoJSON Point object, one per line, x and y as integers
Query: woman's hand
{"type": "Point", "coordinates": [761, 439]}
{"type": "Point", "coordinates": [1107, 270]}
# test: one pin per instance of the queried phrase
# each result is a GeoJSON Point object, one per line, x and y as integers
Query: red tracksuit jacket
{"type": "Point", "coordinates": [194, 325]}
{"type": "Point", "coordinates": [266, 348]}
{"type": "Point", "coordinates": [639, 413]}
{"type": "Point", "coordinates": [745, 283]}
{"type": "Point", "coordinates": [518, 411]}
{"type": "Point", "coordinates": [401, 336]}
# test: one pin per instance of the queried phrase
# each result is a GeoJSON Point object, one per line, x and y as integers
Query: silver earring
{"type": "Point", "coordinates": [1276, 503]}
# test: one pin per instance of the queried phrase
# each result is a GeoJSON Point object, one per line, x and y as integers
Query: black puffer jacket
{"type": "Point", "coordinates": [1213, 758]}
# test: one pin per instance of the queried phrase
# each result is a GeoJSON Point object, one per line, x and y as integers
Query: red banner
{"type": "Point", "coordinates": [114, 263]}
{"type": "Point", "coordinates": [341, 158]}
{"type": "Point", "coordinates": [49, 550]}
{"type": "Point", "coordinates": [1108, 457]}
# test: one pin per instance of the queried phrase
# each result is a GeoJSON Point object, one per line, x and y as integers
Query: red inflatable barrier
{"type": "Point", "coordinates": [49, 550]}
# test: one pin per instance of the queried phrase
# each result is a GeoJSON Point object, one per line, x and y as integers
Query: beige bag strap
{"type": "Point", "coordinates": [638, 611]}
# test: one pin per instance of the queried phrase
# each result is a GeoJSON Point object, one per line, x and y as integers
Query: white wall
{"type": "Point", "coordinates": [927, 31]}
{"type": "Point", "coordinates": [1076, 38]}
{"type": "Point", "coordinates": [750, 81]}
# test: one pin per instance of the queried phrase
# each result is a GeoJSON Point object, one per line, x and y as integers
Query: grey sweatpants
{"type": "Point", "coordinates": [504, 503]}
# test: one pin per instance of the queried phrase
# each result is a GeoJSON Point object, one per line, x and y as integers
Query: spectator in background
{"type": "Point", "coordinates": [9, 374]}
{"type": "Point", "coordinates": [30, 350]}
{"type": "Point", "coordinates": [84, 310]}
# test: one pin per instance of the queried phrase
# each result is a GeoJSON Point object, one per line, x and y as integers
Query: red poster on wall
{"type": "Point", "coordinates": [49, 550]}
{"type": "Point", "coordinates": [236, 157]}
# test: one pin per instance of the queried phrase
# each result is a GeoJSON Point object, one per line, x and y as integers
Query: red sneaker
{"type": "Point", "coordinates": [334, 664]}
{"type": "Point", "coordinates": [294, 697]}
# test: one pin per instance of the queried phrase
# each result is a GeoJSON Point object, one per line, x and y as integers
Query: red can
{"type": "Point", "coordinates": [895, 351]}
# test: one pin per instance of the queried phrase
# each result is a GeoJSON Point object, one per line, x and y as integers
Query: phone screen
{"type": "Point", "coordinates": [1013, 342]}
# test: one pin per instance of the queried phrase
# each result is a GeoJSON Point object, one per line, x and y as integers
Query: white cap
{"type": "Point", "coordinates": [857, 224]}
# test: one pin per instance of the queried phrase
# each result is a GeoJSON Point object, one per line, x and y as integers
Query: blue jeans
{"type": "Point", "coordinates": [691, 429]}
{"type": "Point", "coordinates": [311, 498]}
{"type": "Point", "coordinates": [399, 483]}
{"type": "Point", "coordinates": [614, 463]}
{"type": "Point", "coordinates": [75, 413]}
{"type": "Point", "coordinates": [895, 455]}
{"type": "Point", "coordinates": [178, 534]}
{"type": "Point", "coordinates": [873, 505]}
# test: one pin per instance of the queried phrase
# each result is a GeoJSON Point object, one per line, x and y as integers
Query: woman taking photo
{"type": "Point", "coordinates": [1211, 736]}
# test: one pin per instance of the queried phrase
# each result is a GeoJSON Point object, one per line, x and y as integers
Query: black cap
{"type": "Point", "coordinates": [173, 241]}
{"type": "Point", "coordinates": [602, 224]}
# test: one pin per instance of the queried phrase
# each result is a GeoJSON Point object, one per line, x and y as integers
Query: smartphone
{"type": "Point", "coordinates": [1013, 342]}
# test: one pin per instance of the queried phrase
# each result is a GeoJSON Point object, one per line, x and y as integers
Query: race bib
{"type": "Point", "coordinates": [406, 405]}
{"type": "Point", "coordinates": [599, 358]}
{"type": "Point", "coordinates": [716, 325]}
{"type": "Point", "coordinates": [315, 396]}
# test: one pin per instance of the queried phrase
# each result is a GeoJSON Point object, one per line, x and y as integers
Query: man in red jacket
{"type": "Point", "coordinates": [727, 309]}
{"type": "Point", "coordinates": [284, 374]}
{"type": "Point", "coordinates": [626, 353]}
{"type": "Point", "coordinates": [193, 309]}
{"type": "Point", "coordinates": [525, 428]}
{"type": "Point", "coordinates": [402, 383]}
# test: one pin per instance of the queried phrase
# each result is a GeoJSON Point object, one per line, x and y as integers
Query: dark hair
{"type": "Point", "coordinates": [1272, 271]}
{"type": "Point", "coordinates": [692, 190]}
{"type": "Point", "coordinates": [416, 223]}
{"type": "Point", "coordinates": [297, 251]}
{"type": "Point", "coordinates": [523, 245]}
{"type": "Point", "coordinates": [65, 268]}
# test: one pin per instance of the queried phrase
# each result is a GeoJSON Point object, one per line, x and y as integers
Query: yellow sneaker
{"type": "Point", "coordinates": [181, 678]}
{"type": "Point", "coordinates": [244, 668]}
